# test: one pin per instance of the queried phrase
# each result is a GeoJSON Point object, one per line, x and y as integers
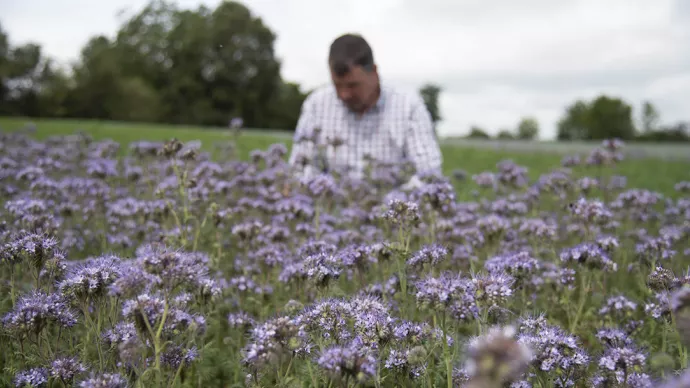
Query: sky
{"type": "Point", "coordinates": [496, 60]}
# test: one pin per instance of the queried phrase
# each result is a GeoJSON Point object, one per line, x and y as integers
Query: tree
{"type": "Point", "coordinates": [650, 117]}
{"type": "Point", "coordinates": [610, 117]}
{"type": "Point", "coordinates": [165, 64]}
{"type": "Point", "coordinates": [505, 134]}
{"type": "Point", "coordinates": [574, 124]}
{"type": "Point", "coordinates": [603, 118]}
{"type": "Point", "coordinates": [430, 94]}
{"type": "Point", "coordinates": [4, 63]}
{"type": "Point", "coordinates": [528, 128]}
{"type": "Point", "coordinates": [478, 133]}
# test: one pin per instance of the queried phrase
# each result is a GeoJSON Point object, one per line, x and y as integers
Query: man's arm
{"type": "Point", "coordinates": [421, 145]}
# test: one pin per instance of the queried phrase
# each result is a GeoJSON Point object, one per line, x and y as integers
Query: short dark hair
{"type": "Point", "coordinates": [350, 50]}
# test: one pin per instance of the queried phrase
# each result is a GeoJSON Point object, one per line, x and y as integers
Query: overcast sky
{"type": "Point", "coordinates": [497, 60]}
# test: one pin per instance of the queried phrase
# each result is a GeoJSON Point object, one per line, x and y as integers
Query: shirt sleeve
{"type": "Point", "coordinates": [305, 127]}
{"type": "Point", "coordinates": [421, 144]}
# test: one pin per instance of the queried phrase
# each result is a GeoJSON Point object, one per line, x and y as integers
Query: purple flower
{"type": "Point", "coordinates": [570, 160]}
{"type": "Point", "coordinates": [680, 299]}
{"type": "Point", "coordinates": [66, 369]}
{"type": "Point", "coordinates": [355, 255]}
{"type": "Point", "coordinates": [591, 212]}
{"type": "Point", "coordinates": [653, 249]}
{"type": "Point", "coordinates": [659, 306]}
{"type": "Point", "coordinates": [493, 225]}
{"type": "Point", "coordinates": [104, 380]}
{"type": "Point", "coordinates": [402, 213]}
{"type": "Point", "coordinates": [175, 355]}
{"type": "Point", "coordinates": [34, 247]}
{"type": "Point", "coordinates": [90, 279]}
{"type": "Point", "coordinates": [512, 175]}
{"type": "Point", "coordinates": [492, 289]}
{"type": "Point", "coordinates": [486, 179]}
{"type": "Point", "coordinates": [350, 361]}
{"type": "Point", "coordinates": [681, 381]}
{"type": "Point", "coordinates": [554, 350]}
{"type": "Point", "coordinates": [429, 254]}
{"type": "Point", "coordinates": [591, 255]}
{"type": "Point", "coordinates": [240, 320]}
{"type": "Point", "coordinates": [121, 333]}
{"type": "Point", "coordinates": [35, 310]}
{"type": "Point", "coordinates": [618, 307]}
{"type": "Point", "coordinates": [613, 337]}
{"type": "Point", "coordinates": [439, 293]}
{"type": "Point", "coordinates": [321, 268]}
{"type": "Point", "coordinates": [538, 229]}
{"type": "Point", "coordinates": [519, 265]}
{"type": "Point", "coordinates": [36, 377]}
{"type": "Point", "coordinates": [621, 359]}
{"type": "Point", "coordinates": [270, 340]}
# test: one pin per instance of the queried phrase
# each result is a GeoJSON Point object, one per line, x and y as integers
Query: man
{"type": "Point", "coordinates": [357, 117]}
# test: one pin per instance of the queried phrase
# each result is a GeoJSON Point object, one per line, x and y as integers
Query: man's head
{"type": "Point", "coordinates": [353, 72]}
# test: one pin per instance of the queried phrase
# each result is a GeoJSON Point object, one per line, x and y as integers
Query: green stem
{"type": "Point", "coordinates": [446, 352]}
{"type": "Point", "coordinates": [584, 285]}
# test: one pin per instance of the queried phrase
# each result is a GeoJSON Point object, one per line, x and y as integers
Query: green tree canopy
{"type": "Point", "coordinates": [528, 128]}
{"type": "Point", "coordinates": [602, 118]}
{"type": "Point", "coordinates": [165, 64]}
{"type": "Point", "coordinates": [430, 94]}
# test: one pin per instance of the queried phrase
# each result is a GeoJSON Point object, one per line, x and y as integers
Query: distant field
{"type": "Point", "coordinates": [668, 151]}
{"type": "Point", "coordinates": [653, 167]}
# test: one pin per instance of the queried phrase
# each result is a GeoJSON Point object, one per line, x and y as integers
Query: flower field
{"type": "Point", "coordinates": [153, 264]}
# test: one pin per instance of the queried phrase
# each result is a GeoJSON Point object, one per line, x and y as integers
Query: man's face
{"type": "Point", "coordinates": [357, 88]}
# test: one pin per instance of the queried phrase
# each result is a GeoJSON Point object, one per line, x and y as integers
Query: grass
{"type": "Point", "coordinates": [644, 173]}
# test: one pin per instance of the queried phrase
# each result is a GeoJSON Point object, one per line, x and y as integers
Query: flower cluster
{"type": "Point", "coordinates": [172, 264]}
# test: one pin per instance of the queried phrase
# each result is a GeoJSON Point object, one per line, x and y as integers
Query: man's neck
{"type": "Point", "coordinates": [374, 101]}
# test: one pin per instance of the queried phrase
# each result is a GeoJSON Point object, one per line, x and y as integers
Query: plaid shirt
{"type": "Point", "coordinates": [397, 128]}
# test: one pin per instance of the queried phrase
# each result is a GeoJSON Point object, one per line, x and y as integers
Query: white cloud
{"type": "Point", "coordinates": [497, 60]}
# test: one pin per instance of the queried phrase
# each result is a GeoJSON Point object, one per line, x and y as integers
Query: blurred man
{"type": "Point", "coordinates": [357, 117]}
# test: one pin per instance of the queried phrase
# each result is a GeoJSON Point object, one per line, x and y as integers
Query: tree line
{"type": "Point", "coordinates": [603, 117]}
{"type": "Point", "coordinates": [205, 66]}
{"type": "Point", "coordinates": [165, 64]}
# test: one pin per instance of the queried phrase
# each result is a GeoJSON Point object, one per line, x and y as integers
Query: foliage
{"type": "Point", "coordinates": [168, 268]}
{"type": "Point", "coordinates": [166, 65]}
{"type": "Point", "coordinates": [604, 117]}
{"type": "Point", "coordinates": [430, 94]}
{"type": "Point", "coordinates": [505, 134]}
{"type": "Point", "coordinates": [650, 117]}
{"type": "Point", "coordinates": [676, 133]}
{"type": "Point", "coordinates": [478, 133]}
{"type": "Point", "coordinates": [528, 128]}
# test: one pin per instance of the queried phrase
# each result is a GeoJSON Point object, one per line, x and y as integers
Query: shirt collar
{"type": "Point", "coordinates": [380, 103]}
